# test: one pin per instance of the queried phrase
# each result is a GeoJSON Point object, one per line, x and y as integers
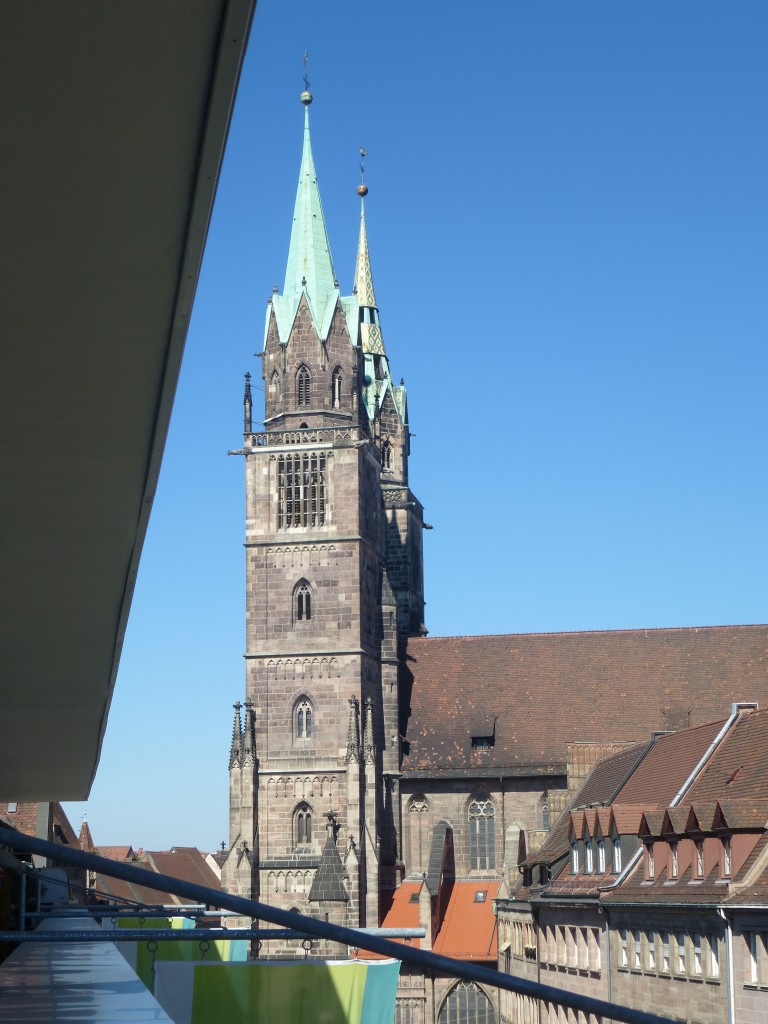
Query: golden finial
{"type": "Point", "coordinates": [362, 188]}
{"type": "Point", "coordinates": [306, 96]}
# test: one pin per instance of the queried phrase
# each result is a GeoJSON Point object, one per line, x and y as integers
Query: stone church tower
{"type": "Point", "coordinates": [333, 589]}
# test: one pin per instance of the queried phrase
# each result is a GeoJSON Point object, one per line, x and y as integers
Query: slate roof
{"type": "Point", "coordinates": [621, 685]}
{"type": "Point", "coordinates": [328, 883]}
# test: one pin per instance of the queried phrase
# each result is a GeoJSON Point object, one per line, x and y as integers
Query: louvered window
{"type": "Point", "coordinates": [303, 386]}
{"type": "Point", "coordinates": [301, 490]}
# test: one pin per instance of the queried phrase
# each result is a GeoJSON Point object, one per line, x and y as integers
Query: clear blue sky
{"type": "Point", "coordinates": [569, 237]}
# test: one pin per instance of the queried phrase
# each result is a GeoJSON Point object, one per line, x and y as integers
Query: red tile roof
{"type": "Point", "coordinates": [738, 768]}
{"type": "Point", "coordinates": [468, 930]}
{"type": "Point", "coordinates": [668, 765]}
{"type": "Point", "coordinates": [620, 686]}
{"type": "Point", "coordinates": [403, 913]}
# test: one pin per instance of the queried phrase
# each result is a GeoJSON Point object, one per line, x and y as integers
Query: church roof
{"type": "Point", "coordinates": [620, 685]}
{"type": "Point", "coordinates": [328, 883]}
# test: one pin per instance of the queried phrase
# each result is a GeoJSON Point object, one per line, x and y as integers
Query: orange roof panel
{"type": "Point", "coordinates": [468, 931]}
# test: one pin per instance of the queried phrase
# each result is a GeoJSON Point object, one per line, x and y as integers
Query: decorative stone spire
{"type": "Point", "coordinates": [249, 745]}
{"type": "Point", "coordinates": [247, 405]}
{"type": "Point", "coordinates": [353, 732]}
{"type": "Point", "coordinates": [370, 329]}
{"type": "Point", "coordinates": [235, 750]}
{"type": "Point", "coordinates": [369, 749]}
{"type": "Point", "coordinates": [310, 267]}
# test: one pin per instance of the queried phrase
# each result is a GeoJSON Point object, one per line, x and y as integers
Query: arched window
{"type": "Point", "coordinates": [336, 382]}
{"type": "Point", "coordinates": [303, 386]}
{"type": "Point", "coordinates": [545, 820]}
{"type": "Point", "coordinates": [303, 825]}
{"type": "Point", "coordinates": [386, 456]}
{"type": "Point", "coordinates": [303, 719]}
{"type": "Point", "coordinates": [466, 1003]}
{"type": "Point", "coordinates": [274, 387]}
{"type": "Point", "coordinates": [302, 602]}
{"type": "Point", "coordinates": [482, 845]}
{"type": "Point", "coordinates": [419, 832]}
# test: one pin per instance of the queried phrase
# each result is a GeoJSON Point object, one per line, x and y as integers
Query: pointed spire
{"type": "Point", "coordinates": [237, 738]}
{"type": "Point", "coordinates": [247, 405]}
{"type": "Point", "coordinates": [369, 749]}
{"type": "Point", "coordinates": [310, 266]}
{"type": "Point", "coordinates": [370, 329]}
{"type": "Point", "coordinates": [249, 745]}
{"type": "Point", "coordinates": [353, 732]}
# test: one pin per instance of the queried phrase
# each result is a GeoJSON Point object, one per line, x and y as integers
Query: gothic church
{"type": "Point", "coordinates": [334, 585]}
{"type": "Point", "coordinates": [376, 772]}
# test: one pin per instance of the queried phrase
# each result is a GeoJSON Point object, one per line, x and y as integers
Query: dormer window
{"type": "Point", "coordinates": [698, 864]}
{"type": "Point", "coordinates": [650, 862]}
{"type": "Point", "coordinates": [601, 856]}
{"type": "Point", "coordinates": [482, 742]}
{"type": "Point", "coordinates": [574, 858]}
{"type": "Point", "coordinates": [589, 866]}
{"type": "Point", "coordinates": [727, 859]}
{"type": "Point", "coordinates": [617, 854]}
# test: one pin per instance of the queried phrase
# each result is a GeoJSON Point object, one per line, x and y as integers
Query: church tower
{"type": "Point", "coordinates": [333, 590]}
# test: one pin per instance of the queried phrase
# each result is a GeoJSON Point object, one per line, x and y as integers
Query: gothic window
{"type": "Point", "coordinates": [545, 814]}
{"type": "Point", "coordinates": [336, 382]}
{"type": "Point", "coordinates": [419, 832]}
{"type": "Point", "coordinates": [482, 846]}
{"type": "Point", "coordinates": [303, 719]}
{"type": "Point", "coordinates": [301, 492]}
{"type": "Point", "coordinates": [466, 1003]}
{"type": "Point", "coordinates": [303, 825]}
{"type": "Point", "coordinates": [386, 457]}
{"type": "Point", "coordinates": [302, 602]}
{"type": "Point", "coordinates": [274, 386]}
{"type": "Point", "coordinates": [303, 386]}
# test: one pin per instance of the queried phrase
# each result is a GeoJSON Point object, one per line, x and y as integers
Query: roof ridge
{"type": "Point", "coordinates": [637, 630]}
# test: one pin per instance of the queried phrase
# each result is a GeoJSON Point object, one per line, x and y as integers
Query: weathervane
{"type": "Point", "coordinates": [362, 188]}
{"type": "Point", "coordinates": [306, 96]}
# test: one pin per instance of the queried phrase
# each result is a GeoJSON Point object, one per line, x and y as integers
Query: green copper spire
{"type": "Point", "coordinates": [310, 267]}
{"type": "Point", "coordinates": [370, 329]}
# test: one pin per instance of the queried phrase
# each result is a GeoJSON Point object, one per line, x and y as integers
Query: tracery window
{"type": "Point", "coordinates": [303, 386]}
{"type": "Point", "coordinates": [336, 382]}
{"type": "Point", "coordinates": [301, 493]}
{"type": "Point", "coordinates": [386, 456]}
{"type": "Point", "coordinates": [303, 825]}
{"type": "Point", "coordinates": [302, 602]}
{"type": "Point", "coordinates": [303, 719]}
{"type": "Point", "coordinates": [466, 1003]}
{"type": "Point", "coordinates": [482, 846]}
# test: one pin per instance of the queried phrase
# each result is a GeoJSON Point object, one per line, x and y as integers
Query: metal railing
{"type": "Point", "coordinates": [311, 927]}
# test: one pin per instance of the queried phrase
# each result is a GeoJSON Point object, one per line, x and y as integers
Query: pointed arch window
{"type": "Point", "coordinates": [303, 386]}
{"type": "Point", "coordinates": [466, 1003]}
{"type": "Point", "coordinates": [302, 602]}
{"type": "Point", "coordinates": [303, 719]}
{"type": "Point", "coordinates": [302, 821]}
{"type": "Point", "coordinates": [386, 457]}
{"type": "Point", "coordinates": [336, 384]}
{"type": "Point", "coordinates": [482, 845]}
{"type": "Point", "coordinates": [274, 387]}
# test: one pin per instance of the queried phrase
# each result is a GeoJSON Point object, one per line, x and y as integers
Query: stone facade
{"type": "Point", "coordinates": [333, 585]}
